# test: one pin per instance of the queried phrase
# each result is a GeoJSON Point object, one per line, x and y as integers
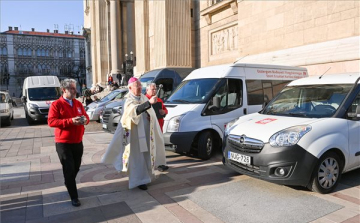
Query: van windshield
{"type": "Point", "coordinates": [110, 96]}
{"type": "Point", "coordinates": [3, 98]}
{"type": "Point", "coordinates": [44, 93]}
{"type": "Point", "coordinates": [193, 91]}
{"type": "Point", "coordinates": [145, 81]}
{"type": "Point", "coordinates": [311, 101]}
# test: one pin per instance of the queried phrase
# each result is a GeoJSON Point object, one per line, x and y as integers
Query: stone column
{"type": "Point", "coordinates": [115, 43]}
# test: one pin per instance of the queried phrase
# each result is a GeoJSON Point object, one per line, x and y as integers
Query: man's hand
{"type": "Point", "coordinates": [162, 112]}
{"type": "Point", "coordinates": [77, 120]}
{"type": "Point", "coordinates": [153, 100]}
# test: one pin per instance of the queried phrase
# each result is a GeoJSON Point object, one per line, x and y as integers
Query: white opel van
{"type": "Point", "coordinates": [210, 97]}
{"type": "Point", "coordinates": [308, 135]}
{"type": "Point", "coordinates": [38, 94]}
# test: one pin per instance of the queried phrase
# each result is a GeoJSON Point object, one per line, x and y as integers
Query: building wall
{"type": "Point", "coordinates": [40, 53]}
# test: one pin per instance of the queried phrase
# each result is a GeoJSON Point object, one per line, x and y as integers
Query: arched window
{"type": "Point", "coordinates": [38, 52]}
{"type": "Point", "coordinates": [47, 53]}
{"type": "Point", "coordinates": [43, 52]}
{"type": "Point", "coordinates": [20, 52]}
{"type": "Point", "coordinates": [4, 51]}
{"type": "Point", "coordinates": [29, 53]}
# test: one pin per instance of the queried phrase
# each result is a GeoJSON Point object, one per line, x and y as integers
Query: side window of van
{"type": "Point", "coordinates": [354, 107]}
{"type": "Point", "coordinates": [260, 91]}
{"type": "Point", "coordinates": [167, 88]}
{"type": "Point", "coordinates": [230, 96]}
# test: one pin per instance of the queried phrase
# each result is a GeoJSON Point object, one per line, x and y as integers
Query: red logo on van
{"type": "Point", "coordinates": [48, 102]}
{"type": "Point", "coordinates": [266, 121]}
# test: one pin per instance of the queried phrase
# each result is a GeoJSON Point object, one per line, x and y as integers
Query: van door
{"type": "Point", "coordinates": [230, 94]}
{"type": "Point", "coordinates": [354, 135]}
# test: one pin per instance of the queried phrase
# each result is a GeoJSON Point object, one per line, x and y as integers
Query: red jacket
{"type": "Point", "coordinates": [160, 120]}
{"type": "Point", "coordinates": [60, 116]}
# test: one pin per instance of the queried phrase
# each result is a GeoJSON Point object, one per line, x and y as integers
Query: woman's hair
{"type": "Point", "coordinates": [65, 84]}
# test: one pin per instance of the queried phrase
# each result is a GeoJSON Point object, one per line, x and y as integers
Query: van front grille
{"type": "Point", "coordinates": [255, 170]}
{"type": "Point", "coordinates": [244, 144]}
{"type": "Point", "coordinates": [106, 115]}
{"type": "Point", "coordinates": [43, 110]}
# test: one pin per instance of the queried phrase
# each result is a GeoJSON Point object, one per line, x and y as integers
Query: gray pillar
{"type": "Point", "coordinates": [115, 47]}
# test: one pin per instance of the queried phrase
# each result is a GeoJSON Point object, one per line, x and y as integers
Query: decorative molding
{"type": "Point", "coordinates": [234, 7]}
{"type": "Point", "coordinates": [223, 40]}
{"type": "Point", "coordinates": [216, 8]}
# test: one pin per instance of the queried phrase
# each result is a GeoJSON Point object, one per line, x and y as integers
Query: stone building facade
{"type": "Point", "coordinates": [196, 33]}
{"type": "Point", "coordinates": [30, 53]}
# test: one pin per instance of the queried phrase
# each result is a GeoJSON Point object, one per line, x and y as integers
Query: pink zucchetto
{"type": "Point", "coordinates": [132, 80]}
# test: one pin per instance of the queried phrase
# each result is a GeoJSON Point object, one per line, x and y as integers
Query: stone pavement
{"type": "Point", "coordinates": [32, 188]}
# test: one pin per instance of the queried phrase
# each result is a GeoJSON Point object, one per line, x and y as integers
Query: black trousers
{"type": "Point", "coordinates": [70, 157]}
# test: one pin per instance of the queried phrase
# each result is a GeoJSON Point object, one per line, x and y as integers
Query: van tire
{"type": "Point", "coordinates": [28, 119]}
{"type": "Point", "coordinates": [331, 163]}
{"type": "Point", "coordinates": [6, 122]}
{"type": "Point", "coordinates": [205, 145]}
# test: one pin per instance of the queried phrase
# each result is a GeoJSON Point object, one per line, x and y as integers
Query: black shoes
{"type": "Point", "coordinates": [143, 187]}
{"type": "Point", "coordinates": [162, 168]}
{"type": "Point", "coordinates": [75, 202]}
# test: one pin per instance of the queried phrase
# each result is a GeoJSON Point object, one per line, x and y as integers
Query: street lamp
{"type": "Point", "coordinates": [6, 79]}
{"type": "Point", "coordinates": [128, 66]}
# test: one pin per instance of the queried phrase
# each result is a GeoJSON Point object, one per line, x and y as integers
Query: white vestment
{"type": "Point", "coordinates": [137, 146]}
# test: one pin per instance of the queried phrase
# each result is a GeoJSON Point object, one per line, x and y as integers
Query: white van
{"type": "Point", "coordinates": [6, 108]}
{"type": "Point", "coordinates": [308, 135]}
{"type": "Point", "coordinates": [38, 94]}
{"type": "Point", "coordinates": [210, 97]}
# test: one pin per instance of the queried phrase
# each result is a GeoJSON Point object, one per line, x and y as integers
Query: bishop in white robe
{"type": "Point", "coordinates": [137, 146]}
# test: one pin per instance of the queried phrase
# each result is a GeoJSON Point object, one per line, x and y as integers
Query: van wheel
{"type": "Point", "coordinates": [29, 120]}
{"type": "Point", "coordinates": [7, 122]}
{"type": "Point", "coordinates": [326, 174]}
{"type": "Point", "coordinates": [205, 145]}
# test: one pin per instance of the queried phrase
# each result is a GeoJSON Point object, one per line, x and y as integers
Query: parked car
{"type": "Point", "coordinates": [168, 78]}
{"type": "Point", "coordinates": [94, 109]}
{"type": "Point", "coordinates": [38, 94]}
{"type": "Point", "coordinates": [308, 135]}
{"type": "Point", "coordinates": [6, 108]}
{"type": "Point", "coordinates": [209, 97]}
{"type": "Point", "coordinates": [111, 115]}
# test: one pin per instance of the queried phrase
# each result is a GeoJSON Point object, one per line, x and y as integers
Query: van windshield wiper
{"type": "Point", "coordinates": [180, 100]}
{"type": "Point", "coordinates": [298, 114]}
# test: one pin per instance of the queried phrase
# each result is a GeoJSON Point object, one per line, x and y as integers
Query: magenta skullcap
{"type": "Point", "coordinates": [132, 80]}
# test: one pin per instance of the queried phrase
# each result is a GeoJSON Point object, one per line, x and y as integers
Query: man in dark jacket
{"type": "Point", "coordinates": [67, 115]}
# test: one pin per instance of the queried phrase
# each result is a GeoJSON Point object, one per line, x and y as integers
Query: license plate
{"type": "Point", "coordinates": [104, 126]}
{"type": "Point", "coordinates": [239, 158]}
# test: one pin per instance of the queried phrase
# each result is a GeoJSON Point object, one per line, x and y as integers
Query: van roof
{"type": "Point", "coordinates": [42, 81]}
{"type": "Point", "coordinates": [344, 78]}
{"type": "Point", "coordinates": [220, 71]}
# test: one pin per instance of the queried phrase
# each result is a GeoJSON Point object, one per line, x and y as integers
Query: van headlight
{"type": "Point", "coordinates": [290, 136]}
{"type": "Point", "coordinates": [229, 125]}
{"type": "Point", "coordinates": [174, 124]}
{"type": "Point", "coordinates": [31, 105]}
{"type": "Point", "coordinates": [117, 110]}
{"type": "Point", "coordinates": [4, 110]}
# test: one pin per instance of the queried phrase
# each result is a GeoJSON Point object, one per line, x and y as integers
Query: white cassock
{"type": "Point", "coordinates": [138, 145]}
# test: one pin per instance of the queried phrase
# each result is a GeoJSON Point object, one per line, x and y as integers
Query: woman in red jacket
{"type": "Point", "coordinates": [68, 116]}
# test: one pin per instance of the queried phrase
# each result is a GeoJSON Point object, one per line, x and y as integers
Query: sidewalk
{"type": "Point", "coordinates": [32, 189]}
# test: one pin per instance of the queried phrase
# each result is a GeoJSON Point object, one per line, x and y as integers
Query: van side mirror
{"type": "Point", "coordinates": [23, 99]}
{"type": "Point", "coordinates": [355, 115]}
{"type": "Point", "coordinates": [215, 104]}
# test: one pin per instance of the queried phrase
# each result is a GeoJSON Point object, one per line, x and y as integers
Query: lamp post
{"type": "Point", "coordinates": [128, 68]}
{"type": "Point", "coordinates": [6, 79]}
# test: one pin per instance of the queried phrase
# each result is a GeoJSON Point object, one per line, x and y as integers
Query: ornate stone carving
{"type": "Point", "coordinates": [224, 40]}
